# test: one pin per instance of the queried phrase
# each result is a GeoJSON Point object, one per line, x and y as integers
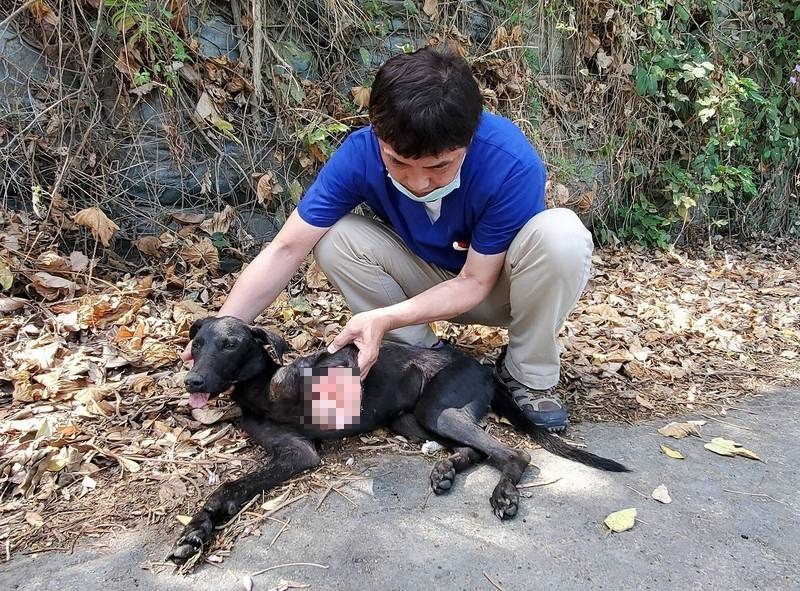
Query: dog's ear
{"type": "Point", "coordinates": [347, 356]}
{"type": "Point", "coordinates": [196, 325]}
{"type": "Point", "coordinates": [273, 342]}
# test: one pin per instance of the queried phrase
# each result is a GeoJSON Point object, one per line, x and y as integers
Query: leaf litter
{"type": "Point", "coordinates": [96, 433]}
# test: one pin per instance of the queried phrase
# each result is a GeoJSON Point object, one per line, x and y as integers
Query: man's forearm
{"type": "Point", "coordinates": [441, 302]}
{"type": "Point", "coordinates": [260, 283]}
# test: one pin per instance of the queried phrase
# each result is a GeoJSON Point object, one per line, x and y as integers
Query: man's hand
{"type": "Point", "coordinates": [365, 331]}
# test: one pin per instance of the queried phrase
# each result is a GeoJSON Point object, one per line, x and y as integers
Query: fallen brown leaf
{"type": "Point", "coordinates": [98, 222]}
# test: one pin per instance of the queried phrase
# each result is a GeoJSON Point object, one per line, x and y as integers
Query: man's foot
{"type": "Point", "coordinates": [542, 407]}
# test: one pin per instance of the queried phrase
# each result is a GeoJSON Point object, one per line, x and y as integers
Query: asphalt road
{"type": "Point", "coordinates": [734, 523]}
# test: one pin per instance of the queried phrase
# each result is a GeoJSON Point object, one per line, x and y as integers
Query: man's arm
{"type": "Point", "coordinates": [268, 273]}
{"type": "Point", "coordinates": [452, 297]}
{"type": "Point", "coordinates": [441, 302]}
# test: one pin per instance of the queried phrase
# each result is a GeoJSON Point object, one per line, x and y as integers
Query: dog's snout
{"type": "Point", "coordinates": [194, 381]}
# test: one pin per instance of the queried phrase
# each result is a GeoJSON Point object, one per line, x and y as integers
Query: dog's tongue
{"type": "Point", "coordinates": [198, 399]}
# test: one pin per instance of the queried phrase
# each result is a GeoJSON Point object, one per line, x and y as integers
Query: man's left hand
{"type": "Point", "coordinates": [365, 330]}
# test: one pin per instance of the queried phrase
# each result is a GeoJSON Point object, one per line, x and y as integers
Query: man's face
{"type": "Point", "coordinates": [422, 175]}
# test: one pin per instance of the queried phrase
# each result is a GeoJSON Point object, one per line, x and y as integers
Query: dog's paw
{"type": "Point", "coordinates": [194, 537]}
{"type": "Point", "coordinates": [442, 476]}
{"type": "Point", "coordinates": [505, 499]}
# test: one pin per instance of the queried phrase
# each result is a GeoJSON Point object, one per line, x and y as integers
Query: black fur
{"type": "Point", "coordinates": [420, 393]}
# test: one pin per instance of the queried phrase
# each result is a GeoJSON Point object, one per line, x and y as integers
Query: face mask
{"type": "Point", "coordinates": [434, 195]}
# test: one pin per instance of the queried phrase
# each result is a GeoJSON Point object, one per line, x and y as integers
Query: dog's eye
{"type": "Point", "coordinates": [229, 345]}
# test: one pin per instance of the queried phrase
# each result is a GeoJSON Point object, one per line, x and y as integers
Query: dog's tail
{"type": "Point", "coordinates": [503, 405]}
{"type": "Point", "coordinates": [506, 407]}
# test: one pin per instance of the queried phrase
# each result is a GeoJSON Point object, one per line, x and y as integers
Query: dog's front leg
{"type": "Point", "coordinates": [291, 455]}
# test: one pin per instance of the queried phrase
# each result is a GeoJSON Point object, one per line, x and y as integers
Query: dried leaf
{"type": "Point", "coordinates": [315, 278]}
{"type": "Point", "coordinates": [220, 222]}
{"type": "Point", "coordinates": [6, 276]}
{"type": "Point", "coordinates": [645, 402]}
{"type": "Point", "coordinates": [206, 109]}
{"type": "Point", "coordinates": [728, 447]}
{"type": "Point", "coordinates": [172, 491]}
{"type": "Point", "coordinates": [183, 519]}
{"type": "Point", "coordinates": [431, 8]}
{"type": "Point", "coordinates": [361, 96]}
{"type": "Point", "coordinates": [679, 430]}
{"type": "Point", "coordinates": [267, 188]}
{"type": "Point", "coordinates": [11, 304]}
{"type": "Point", "coordinates": [621, 521]}
{"type": "Point", "coordinates": [591, 46]}
{"type": "Point", "coordinates": [128, 464]}
{"type": "Point", "coordinates": [149, 245]}
{"type": "Point", "coordinates": [208, 415]}
{"type": "Point", "coordinates": [300, 342]}
{"type": "Point", "coordinates": [186, 217]}
{"type": "Point", "coordinates": [186, 312]}
{"type": "Point", "coordinates": [101, 226]}
{"type": "Point", "coordinates": [274, 504]}
{"type": "Point", "coordinates": [34, 519]}
{"type": "Point", "coordinates": [201, 254]}
{"type": "Point", "coordinates": [78, 261]}
{"type": "Point", "coordinates": [42, 12]}
{"type": "Point", "coordinates": [672, 453]}
{"type": "Point", "coordinates": [603, 59]}
{"type": "Point", "coordinates": [661, 494]}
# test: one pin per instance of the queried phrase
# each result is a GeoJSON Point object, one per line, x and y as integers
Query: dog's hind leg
{"type": "Point", "coordinates": [455, 423]}
{"type": "Point", "coordinates": [408, 426]}
{"type": "Point", "coordinates": [450, 407]}
{"type": "Point", "coordinates": [444, 472]}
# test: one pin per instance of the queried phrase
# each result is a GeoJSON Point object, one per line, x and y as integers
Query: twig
{"type": "Point", "coordinates": [324, 496]}
{"type": "Point", "coordinates": [535, 484]}
{"type": "Point", "coordinates": [495, 585]}
{"type": "Point", "coordinates": [14, 14]}
{"type": "Point", "coordinates": [425, 501]}
{"type": "Point", "coordinates": [637, 492]}
{"type": "Point", "coordinates": [725, 422]}
{"type": "Point", "coordinates": [749, 494]}
{"type": "Point", "coordinates": [616, 414]}
{"type": "Point", "coordinates": [283, 529]}
{"type": "Point", "coordinates": [336, 490]}
{"type": "Point", "coordinates": [266, 570]}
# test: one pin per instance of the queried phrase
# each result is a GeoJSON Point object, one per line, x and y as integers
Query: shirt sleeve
{"type": "Point", "coordinates": [337, 188]}
{"type": "Point", "coordinates": [520, 197]}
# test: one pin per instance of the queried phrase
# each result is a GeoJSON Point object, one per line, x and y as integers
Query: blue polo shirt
{"type": "Point", "coordinates": [502, 187]}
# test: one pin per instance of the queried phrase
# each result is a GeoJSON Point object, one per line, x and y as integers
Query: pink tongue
{"type": "Point", "coordinates": [198, 399]}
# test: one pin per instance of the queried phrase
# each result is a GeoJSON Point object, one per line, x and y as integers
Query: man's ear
{"type": "Point", "coordinates": [196, 325]}
{"type": "Point", "coordinates": [274, 343]}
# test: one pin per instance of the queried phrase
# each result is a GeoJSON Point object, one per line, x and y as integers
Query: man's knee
{"type": "Point", "coordinates": [558, 235]}
{"type": "Point", "coordinates": [338, 241]}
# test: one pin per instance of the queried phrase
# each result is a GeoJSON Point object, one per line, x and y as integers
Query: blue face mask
{"type": "Point", "coordinates": [434, 195]}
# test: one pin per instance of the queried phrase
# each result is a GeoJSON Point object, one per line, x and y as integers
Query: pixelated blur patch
{"type": "Point", "coordinates": [332, 397]}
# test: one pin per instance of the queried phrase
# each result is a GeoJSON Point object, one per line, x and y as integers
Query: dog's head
{"type": "Point", "coordinates": [227, 351]}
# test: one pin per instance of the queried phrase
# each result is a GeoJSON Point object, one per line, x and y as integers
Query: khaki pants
{"type": "Point", "coordinates": [545, 271]}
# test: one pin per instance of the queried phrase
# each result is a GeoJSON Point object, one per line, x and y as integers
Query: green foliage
{"type": "Point", "coordinates": [147, 24]}
{"type": "Point", "coordinates": [323, 137]}
{"type": "Point", "coordinates": [728, 115]}
{"type": "Point", "coordinates": [645, 225]}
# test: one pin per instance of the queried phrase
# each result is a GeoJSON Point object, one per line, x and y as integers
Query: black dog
{"type": "Point", "coordinates": [419, 393]}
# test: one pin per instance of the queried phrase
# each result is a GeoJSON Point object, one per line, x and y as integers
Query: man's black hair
{"type": "Point", "coordinates": [425, 103]}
